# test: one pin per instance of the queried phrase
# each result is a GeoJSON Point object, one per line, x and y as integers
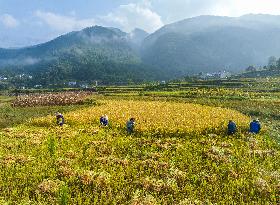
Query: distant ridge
{"type": "Point", "coordinates": [190, 46]}
{"type": "Point", "coordinates": [212, 43]}
{"type": "Point", "coordinates": [96, 53]}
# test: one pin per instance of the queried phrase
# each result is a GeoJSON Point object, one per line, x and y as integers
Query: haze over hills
{"type": "Point", "coordinates": [211, 43]}
{"type": "Point", "coordinates": [95, 53]}
{"type": "Point", "coordinates": [200, 44]}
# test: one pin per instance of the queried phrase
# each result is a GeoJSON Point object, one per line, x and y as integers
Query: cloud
{"type": "Point", "coordinates": [241, 7]}
{"type": "Point", "coordinates": [64, 23]}
{"type": "Point", "coordinates": [149, 15]}
{"type": "Point", "coordinates": [133, 15]}
{"type": "Point", "coordinates": [180, 9]}
{"type": "Point", "coordinates": [30, 61]}
{"type": "Point", "coordinates": [175, 10]}
{"type": "Point", "coordinates": [9, 21]}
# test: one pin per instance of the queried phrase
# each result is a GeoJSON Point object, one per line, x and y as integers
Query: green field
{"type": "Point", "coordinates": [161, 163]}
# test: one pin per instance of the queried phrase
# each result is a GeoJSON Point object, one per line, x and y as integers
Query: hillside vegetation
{"type": "Point", "coordinates": [97, 53]}
{"type": "Point", "coordinates": [109, 55]}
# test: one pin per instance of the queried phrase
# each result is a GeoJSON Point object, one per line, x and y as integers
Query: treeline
{"type": "Point", "coordinates": [82, 66]}
{"type": "Point", "coordinates": [80, 71]}
{"type": "Point", "coordinates": [273, 64]}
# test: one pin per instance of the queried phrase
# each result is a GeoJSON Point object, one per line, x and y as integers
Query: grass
{"type": "Point", "coordinates": [83, 163]}
{"type": "Point", "coordinates": [107, 166]}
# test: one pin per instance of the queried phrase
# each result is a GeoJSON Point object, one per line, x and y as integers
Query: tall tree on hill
{"type": "Point", "coordinates": [272, 62]}
{"type": "Point", "coordinates": [278, 64]}
{"type": "Point", "coordinates": [251, 69]}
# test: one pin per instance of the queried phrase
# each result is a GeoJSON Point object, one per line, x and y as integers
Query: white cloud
{"type": "Point", "coordinates": [179, 9]}
{"type": "Point", "coordinates": [9, 21]}
{"type": "Point", "coordinates": [133, 15]}
{"type": "Point", "coordinates": [64, 23]}
{"type": "Point", "coordinates": [146, 14]}
{"type": "Point", "coordinates": [241, 7]}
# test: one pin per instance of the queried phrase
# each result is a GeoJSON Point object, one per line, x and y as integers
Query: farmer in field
{"type": "Point", "coordinates": [130, 125]}
{"type": "Point", "coordinates": [104, 120]}
{"type": "Point", "coordinates": [59, 119]}
{"type": "Point", "coordinates": [232, 128]}
{"type": "Point", "coordinates": [255, 126]}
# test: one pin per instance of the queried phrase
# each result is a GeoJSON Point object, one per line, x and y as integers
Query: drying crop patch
{"type": "Point", "coordinates": [50, 99]}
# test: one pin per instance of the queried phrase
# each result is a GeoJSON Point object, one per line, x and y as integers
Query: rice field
{"type": "Point", "coordinates": [179, 154]}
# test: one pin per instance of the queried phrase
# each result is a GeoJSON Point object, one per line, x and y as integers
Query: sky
{"type": "Point", "coordinates": [28, 22]}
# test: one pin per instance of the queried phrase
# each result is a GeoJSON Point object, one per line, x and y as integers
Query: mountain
{"type": "Point", "coordinates": [109, 55]}
{"type": "Point", "coordinates": [74, 43]}
{"type": "Point", "coordinates": [137, 36]}
{"type": "Point", "coordinates": [95, 53]}
{"type": "Point", "coordinates": [212, 43]}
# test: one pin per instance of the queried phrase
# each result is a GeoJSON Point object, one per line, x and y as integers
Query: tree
{"type": "Point", "coordinates": [251, 69]}
{"type": "Point", "coordinates": [272, 61]}
{"type": "Point", "coordinates": [278, 64]}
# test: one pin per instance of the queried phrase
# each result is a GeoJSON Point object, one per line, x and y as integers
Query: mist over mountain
{"type": "Point", "coordinates": [199, 44]}
{"type": "Point", "coordinates": [95, 53]}
{"type": "Point", "coordinates": [211, 43]}
{"type": "Point", "coordinates": [138, 36]}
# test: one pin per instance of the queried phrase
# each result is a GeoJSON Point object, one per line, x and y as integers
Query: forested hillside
{"type": "Point", "coordinates": [96, 53]}
{"type": "Point", "coordinates": [109, 55]}
{"type": "Point", "coordinates": [212, 43]}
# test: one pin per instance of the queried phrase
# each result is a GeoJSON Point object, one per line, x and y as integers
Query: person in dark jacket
{"type": "Point", "coordinates": [232, 128]}
{"type": "Point", "coordinates": [104, 120]}
{"type": "Point", "coordinates": [130, 125]}
{"type": "Point", "coordinates": [255, 127]}
{"type": "Point", "coordinates": [59, 119]}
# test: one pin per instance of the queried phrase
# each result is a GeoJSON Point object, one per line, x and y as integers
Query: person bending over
{"type": "Point", "coordinates": [104, 120]}
{"type": "Point", "coordinates": [130, 125]}
{"type": "Point", "coordinates": [59, 119]}
{"type": "Point", "coordinates": [232, 128]}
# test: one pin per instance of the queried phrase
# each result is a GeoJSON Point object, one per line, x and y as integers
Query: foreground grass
{"type": "Point", "coordinates": [84, 164]}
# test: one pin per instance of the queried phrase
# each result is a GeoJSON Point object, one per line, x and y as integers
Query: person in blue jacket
{"type": "Point", "coordinates": [59, 119]}
{"type": "Point", "coordinates": [255, 126]}
{"type": "Point", "coordinates": [104, 120]}
{"type": "Point", "coordinates": [130, 125]}
{"type": "Point", "coordinates": [232, 128]}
